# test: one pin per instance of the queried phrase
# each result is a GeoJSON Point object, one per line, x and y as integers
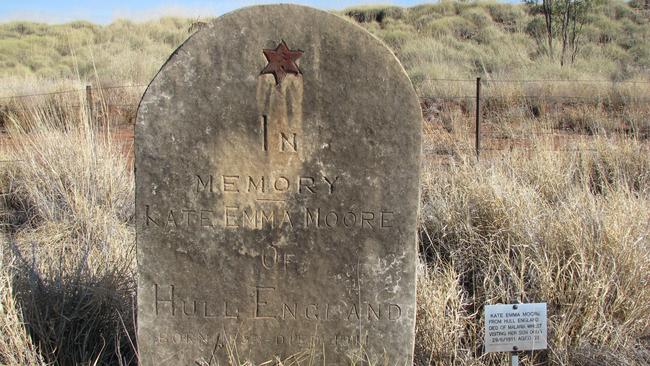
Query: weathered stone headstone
{"type": "Point", "coordinates": [277, 175]}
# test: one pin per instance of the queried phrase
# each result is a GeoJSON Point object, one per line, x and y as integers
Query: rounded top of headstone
{"type": "Point", "coordinates": [335, 58]}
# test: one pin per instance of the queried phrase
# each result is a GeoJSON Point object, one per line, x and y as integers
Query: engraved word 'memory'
{"type": "Point", "coordinates": [168, 303]}
{"type": "Point", "coordinates": [234, 183]}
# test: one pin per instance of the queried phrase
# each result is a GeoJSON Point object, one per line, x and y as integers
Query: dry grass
{"type": "Point", "coordinates": [66, 100]}
{"type": "Point", "coordinates": [442, 319]}
{"type": "Point", "coordinates": [569, 229]}
{"type": "Point", "coordinates": [16, 347]}
{"type": "Point", "coordinates": [70, 207]}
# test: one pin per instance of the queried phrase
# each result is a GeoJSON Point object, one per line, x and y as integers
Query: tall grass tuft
{"type": "Point", "coordinates": [70, 207]}
{"type": "Point", "coordinates": [568, 229]}
{"type": "Point", "coordinates": [16, 348]}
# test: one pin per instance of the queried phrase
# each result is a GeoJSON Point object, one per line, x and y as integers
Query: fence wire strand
{"type": "Point", "coordinates": [490, 135]}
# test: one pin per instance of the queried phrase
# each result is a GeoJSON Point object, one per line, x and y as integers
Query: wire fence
{"type": "Point", "coordinates": [485, 82]}
{"type": "Point", "coordinates": [70, 91]}
{"type": "Point", "coordinates": [476, 107]}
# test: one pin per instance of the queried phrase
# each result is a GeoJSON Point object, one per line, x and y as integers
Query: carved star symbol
{"type": "Point", "coordinates": [282, 61]}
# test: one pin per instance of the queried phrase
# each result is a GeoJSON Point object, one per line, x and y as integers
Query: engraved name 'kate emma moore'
{"type": "Point", "coordinates": [264, 211]}
{"type": "Point", "coordinates": [236, 217]}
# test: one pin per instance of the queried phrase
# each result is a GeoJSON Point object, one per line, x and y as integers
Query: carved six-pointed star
{"type": "Point", "coordinates": [281, 61]}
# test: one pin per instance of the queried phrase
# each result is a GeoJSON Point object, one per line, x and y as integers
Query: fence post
{"type": "Point", "coordinates": [89, 102]}
{"type": "Point", "coordinates": [5, 117]}
{"type": "Point", "coordinates": [478, 117]}
{"type": "Point", "coordinates": [514, 359]}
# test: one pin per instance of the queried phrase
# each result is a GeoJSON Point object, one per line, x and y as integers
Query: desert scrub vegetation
{"type": "Point", "coordinates": [466, 39]}
{"type": "Point", "coordinates": [567, 228]}
{"type": "Point", "coordinates": [570, 229]}
{"type": "Point", "coordinates": [68, 211]}
{"type": "Point", "coordinates": [445, 40]}
{"type": "Point", "coordinates": [125, 50]}
{"type": "Point", "coordinates": [16, 347]}
{"type": "Point", "coordinates": [442, 46]}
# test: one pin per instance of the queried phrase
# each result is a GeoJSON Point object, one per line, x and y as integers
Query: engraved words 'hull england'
{"type": "Point", "coordinates": [277, 190]}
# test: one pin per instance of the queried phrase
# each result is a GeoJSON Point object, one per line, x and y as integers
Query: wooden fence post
{"type": "Point", "coordinates": [478, 117]}
{"type": "Point", "coordinates": [89, 103]}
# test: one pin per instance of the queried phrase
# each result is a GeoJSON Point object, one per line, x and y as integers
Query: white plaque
{"type": "Point", "coordinates": [515, 327]}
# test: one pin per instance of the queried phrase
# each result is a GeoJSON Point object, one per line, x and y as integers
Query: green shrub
{"type": "Point", "coordinates": [127, 51]}
{"type": "Point", "coordinates": [608, 30]}
{"type": "Point", "coordinates": [507, 15]}
{"type": "Point", "coordinates": [479, 17]}
{"type": "Point", "coordinates": [641, 55]}
{"type": "Point", "coordinates": [459, 27]}
{"type": "Point", "coordinates": [373, 14]}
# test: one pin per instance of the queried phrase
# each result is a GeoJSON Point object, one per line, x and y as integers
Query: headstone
{"type": "Point", "coordinates": [277, 180]}
{"type": "Point", "coordinates": [515, 327]}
